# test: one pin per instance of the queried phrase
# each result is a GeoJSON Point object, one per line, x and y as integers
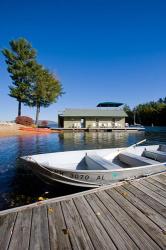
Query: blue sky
{"type": "Point", "coordinates": [100, 50]}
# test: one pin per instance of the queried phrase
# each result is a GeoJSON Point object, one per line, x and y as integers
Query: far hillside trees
{"type": "Point", "coordinates": [152, 113]}
{"type": "Point", "coordinates": [149, 113]}
{"type": "Point", "coordinates": [129, 112]}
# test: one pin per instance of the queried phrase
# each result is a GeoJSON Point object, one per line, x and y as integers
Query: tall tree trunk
{"type": "Point", "coordinates": [37, 114]}
{"type": "Point", "coordinates": [19, 108]}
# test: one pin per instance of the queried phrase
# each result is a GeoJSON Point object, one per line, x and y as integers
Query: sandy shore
{"type": "Point", "coordinates": [6, 130]}
{"type": "Point", "coordinates": [14, 129]}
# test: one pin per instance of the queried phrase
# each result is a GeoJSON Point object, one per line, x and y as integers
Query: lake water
{"type": "Point", "coordinates": [18, 186]}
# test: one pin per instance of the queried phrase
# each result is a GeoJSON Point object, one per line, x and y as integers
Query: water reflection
{"type": "Point", "coordinates": [19, 186]}
{"type": "Point", "coordinates": [91, 140]}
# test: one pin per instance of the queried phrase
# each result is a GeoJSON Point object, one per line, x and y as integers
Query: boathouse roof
{"type": "Point", "coordinates": [109, 104]}
{"type": "Point", "coordinates": [94, 113]}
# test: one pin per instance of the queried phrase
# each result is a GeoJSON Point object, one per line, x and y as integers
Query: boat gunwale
{"type": "Point", "coordinates": [111, 170]}
{"type": "Point", "coordinates": [93, 171]}
{"type": "Point", "coordinates": [90, 150]}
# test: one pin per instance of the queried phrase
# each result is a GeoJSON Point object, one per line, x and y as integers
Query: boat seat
{"type": "Point", "coordinates": [135, 160]}
{"type": "Point", "coordinates": [96, 162]}
{"type": "Point", "coordinates": [155, 155]}
{"type": "Point", "coordinates": [162, 148]}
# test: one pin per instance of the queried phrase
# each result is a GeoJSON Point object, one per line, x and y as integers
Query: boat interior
{"type": "Point", "coordinates": [131, 157]}
{"type": "Point", "coordinates": [104, 159]}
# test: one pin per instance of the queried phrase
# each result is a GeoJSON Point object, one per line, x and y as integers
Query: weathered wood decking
{"type": "Point", "coordinates": [126, 216]}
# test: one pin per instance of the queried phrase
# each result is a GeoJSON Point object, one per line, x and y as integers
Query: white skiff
{"type": "Point", "coordinates": [93, 168]}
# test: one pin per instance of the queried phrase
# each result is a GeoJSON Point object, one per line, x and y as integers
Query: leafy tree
{"type": "Point", "coordinates": [152, 112]}
{"type": "Point", "coordinates": [149, 113]}
{"type": "Point", "coordinates": [20, 59]}
{"type": "Point", "coordinates": [45, 89]}
{"type": "Point", "coordinates": [130, 113]}
{"type": "Point", "coordinates": [162, 100]}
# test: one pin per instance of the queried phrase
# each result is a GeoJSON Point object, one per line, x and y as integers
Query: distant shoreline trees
{"type": "Point", "coordinates": [32, 84]}
{"type": "Point", "coordinates": [149, 113]}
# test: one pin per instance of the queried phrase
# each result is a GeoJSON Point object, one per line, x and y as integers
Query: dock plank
{"type": "Point", "coordinates": [143, 221]}
{"type": "Point", "coordinates": [154, 188]}
{"type": "Point", "coordinates": [138, 235]}
{"type": "Point", "coordinates": [143, 207]}
{"type": "Point", "coordinates": [96, 232]}
{"type": "Point", "coordinates": [22, 228]}
{"type": "Point", "coordinates": [126, 215]}
{"type": "Point", "coordinates": [160, 177]}
{"type": "Point", "coordinates": [157, 183]}
{"type": "Point", "coordinates": [118, 235]}
{"type": "Point", "coordinates": [39, 237]}
{"type": "Point", "coordinates": [58, 238]}
{"type": "Point", "coordinates": [6, 229]}
{"type": "Point", "coordinates": [75, 227]}
{"type": "Point", "coordinates": [151, 193]}
{"type": "Point", "coordinates": [146, 199]}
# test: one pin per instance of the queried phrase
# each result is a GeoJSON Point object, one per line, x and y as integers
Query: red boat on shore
{"type": "Point", "coordinates": [38, 130]}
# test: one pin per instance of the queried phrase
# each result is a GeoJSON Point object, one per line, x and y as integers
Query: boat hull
{"type": "Point", "coordinates": [92, 179]}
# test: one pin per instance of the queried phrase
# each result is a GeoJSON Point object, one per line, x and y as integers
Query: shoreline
{"type": "Point", "coordinates": [13, 130]}
{"type": "Point", "coordinates": [17, 130]}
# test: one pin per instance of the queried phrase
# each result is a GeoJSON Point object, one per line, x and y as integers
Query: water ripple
{"type": "Point", "coordinates": [18, 186]}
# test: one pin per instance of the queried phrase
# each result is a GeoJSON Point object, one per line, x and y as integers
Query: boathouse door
{"type": "Point", "coordinates": [82, 122]}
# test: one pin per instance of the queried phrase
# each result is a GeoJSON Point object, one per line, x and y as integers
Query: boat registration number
{"type": "Point", "coordinates": [81, 176]}
{"type": "Point", "coordinates": [87, 177]}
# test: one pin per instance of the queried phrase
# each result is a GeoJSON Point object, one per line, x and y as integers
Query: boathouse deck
{"type": "Point", "coordinates": [128, 215]}
{"type": "Point", "coordinates": [100, 129]}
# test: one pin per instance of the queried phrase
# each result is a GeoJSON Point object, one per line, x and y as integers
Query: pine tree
{"type": "Point", "coordinates": [20, 59]}
{"type": "Point", "coordinates": [45, 89]}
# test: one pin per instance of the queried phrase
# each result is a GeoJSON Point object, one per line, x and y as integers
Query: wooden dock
{"type": "Point", "coordinates": [128, 215]}
{"type": "Point", "coordinates": [98, 129]}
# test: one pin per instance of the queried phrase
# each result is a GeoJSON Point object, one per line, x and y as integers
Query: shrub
{"type": "Point", "coordinates": [24, 120]}
{"type": "Point", "coordinates": [44, 123]}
